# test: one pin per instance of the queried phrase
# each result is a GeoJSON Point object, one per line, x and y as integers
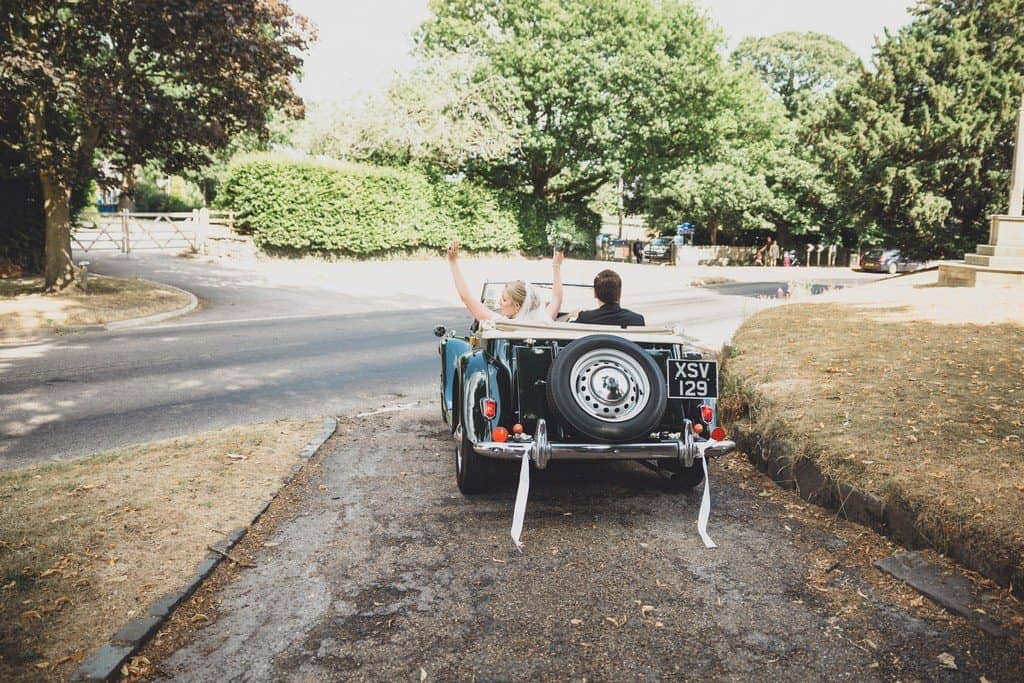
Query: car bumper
{"type": "Point", "coordinates": [540, 450]}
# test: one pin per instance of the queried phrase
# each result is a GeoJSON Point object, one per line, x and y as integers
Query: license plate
{"type": "Point", "coordinates": [692, 378]}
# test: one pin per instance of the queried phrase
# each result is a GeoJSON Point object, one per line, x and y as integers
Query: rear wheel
{"type": "Point", "coordinates": [892, 269]}
{"type": "Point", "coordinates": [471, 469]}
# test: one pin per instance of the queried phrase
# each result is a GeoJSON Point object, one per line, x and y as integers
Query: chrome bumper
{"type": "Point", "coordinates": [685, 449]}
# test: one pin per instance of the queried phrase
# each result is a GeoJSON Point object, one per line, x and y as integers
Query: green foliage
{"type": "Point", "coordinates": [155, 192]}
{"type": "Point", "coordinates": [921, 146]}
{"type": "Point", "coordinates": [565, 235]}
{"type": "Point", "coordinates": [598, 89]}
{"type": "Point", "coordinates": [360, 210]}
{"type": "Point", "coordinates": [573, 222]}
{"type": "Point", "coordinates": [801, 68]}
{"type": "Point", "coordinates": [137, 81]}
{"type": "Point", "coordinates": [149, 197]}
{"type": "Point", "coordinates": [440, 115]}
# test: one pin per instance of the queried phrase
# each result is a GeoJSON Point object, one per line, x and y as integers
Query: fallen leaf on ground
{"type": "Point", "coordinates": [946, 661]}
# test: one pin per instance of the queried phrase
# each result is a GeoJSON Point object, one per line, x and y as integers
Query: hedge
{"type": "Point", "coordinates": [359, 210]}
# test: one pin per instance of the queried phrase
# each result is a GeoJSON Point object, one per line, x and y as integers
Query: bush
{"type": "Point", "coordinates": [150, 198]}
{"type": "Point", "coordinates": [360, 210]}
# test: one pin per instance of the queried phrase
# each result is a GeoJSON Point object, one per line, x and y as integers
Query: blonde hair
{"type": "Point", "coordinates": [516, 291]}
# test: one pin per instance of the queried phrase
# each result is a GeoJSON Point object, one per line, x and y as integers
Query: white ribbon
{"type": "Point", "coordinates": [705, 509]}
{"type": "Point", "coordinates": [520, 509]}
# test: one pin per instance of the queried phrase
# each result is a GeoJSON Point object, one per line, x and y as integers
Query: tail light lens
{"type": "Point", "coordinates": [500, 434]}
{"type": "Point", "coordinates": [489, 407]}
{"type": "Point", "coordinates": [707, 413]}
{"type": "Point", "coordinates": [717, 433]}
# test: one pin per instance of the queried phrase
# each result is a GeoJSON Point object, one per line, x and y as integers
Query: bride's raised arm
{"type": "Point", "coordinates": [476, 309]}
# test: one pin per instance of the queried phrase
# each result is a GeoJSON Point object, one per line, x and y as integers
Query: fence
{"type": "Point", "coordinates": [127, 232]}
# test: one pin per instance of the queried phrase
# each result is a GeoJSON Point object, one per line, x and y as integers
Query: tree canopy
{"type": "Point", "coordinates": [599, 88]}
{"type": "Point", "coordinates": [921, 147]}
{"type": "Point", "coordinates": [801, 68]}
{"type": "Point", "coordinates": [138, 80]}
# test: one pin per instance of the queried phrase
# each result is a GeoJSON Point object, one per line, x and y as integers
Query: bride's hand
{"type": "Point", "coordinates": [453, 250]}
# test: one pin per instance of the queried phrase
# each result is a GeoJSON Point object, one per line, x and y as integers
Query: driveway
{"type": "Point", "coordinates": [381, 570]}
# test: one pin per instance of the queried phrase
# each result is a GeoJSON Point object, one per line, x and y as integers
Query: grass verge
{"type": "Point", "coordinates": [87, 545]}
{"type": "Point", "coordinates": [26, 310]}
{"type": "Point", "coordinates": [905, 391]}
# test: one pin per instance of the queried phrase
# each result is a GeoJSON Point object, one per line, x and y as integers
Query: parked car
{"type": "Point", "coordinates": [887, 261]}
{"type": "Point", "coordinates": [565, 391]}
{"type": "Point", "coordinates": [659, 249]}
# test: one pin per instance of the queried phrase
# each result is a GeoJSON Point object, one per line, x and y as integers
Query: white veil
{"type": "Point", "coordinates": [532, 308]}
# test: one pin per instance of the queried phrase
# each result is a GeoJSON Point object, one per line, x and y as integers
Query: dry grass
{"type": "Point", "coordinates": [908, 391]}
{"type": "Point", "coordinates": [86, 546]}
{"type": "Point", "coordinates": [25, 309]}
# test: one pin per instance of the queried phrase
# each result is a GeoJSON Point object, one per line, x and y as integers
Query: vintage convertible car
{"type": "Point", "coordinates": [566, 391]}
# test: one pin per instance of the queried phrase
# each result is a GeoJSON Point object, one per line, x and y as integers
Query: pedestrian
{"type": "Point", "coordinates": [773, 253]}
{"type": "Point", "coordinates": [638, 251]}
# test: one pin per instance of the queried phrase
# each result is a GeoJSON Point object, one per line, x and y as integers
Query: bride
{"type": "Point", "coordinates": [518, 301]}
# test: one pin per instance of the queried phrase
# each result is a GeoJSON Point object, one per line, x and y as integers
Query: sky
{"type": "Point", "coordinates": [362, 43]}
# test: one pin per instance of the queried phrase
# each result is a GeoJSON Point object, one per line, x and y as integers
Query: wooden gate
{"type": "Point", "coordinates": [127, 232]}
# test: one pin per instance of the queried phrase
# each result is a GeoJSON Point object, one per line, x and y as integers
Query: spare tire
{"type": "Point", "coordinates": [607, 388]}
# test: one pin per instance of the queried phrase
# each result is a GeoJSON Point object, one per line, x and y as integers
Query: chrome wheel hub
{"type": "Point", "coordinates": [609, 385]}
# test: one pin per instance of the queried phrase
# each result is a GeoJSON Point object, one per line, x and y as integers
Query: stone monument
{"type": "Point", "coordinates": [1001, 261]}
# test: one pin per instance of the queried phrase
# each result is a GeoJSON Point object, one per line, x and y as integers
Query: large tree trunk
{"type": "Point", "coordinates": [60, 270]}
{"type": "Point", "coordinates": [715, 227]}
{"type": "Point", "coordinates": [126, 201]}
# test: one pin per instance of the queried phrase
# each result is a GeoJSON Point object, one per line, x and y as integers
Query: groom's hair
{"type": "Point", "coordinates": [608, 287]}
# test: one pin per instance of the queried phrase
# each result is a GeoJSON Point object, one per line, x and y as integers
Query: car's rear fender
{"type": "Point", "coordinates": [451, 349]}
{"type": "Point", "coordinates": [477, 380]}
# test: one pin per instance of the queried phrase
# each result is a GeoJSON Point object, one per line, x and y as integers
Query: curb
{"type": "Point", "coordinates": [156, 317]}
{"type": "Point", "coordinates": [774, 457]}
{"type": "Point", "coordinates": [115, 324]}
{"type": "Point", "coordinates": [105, 663]}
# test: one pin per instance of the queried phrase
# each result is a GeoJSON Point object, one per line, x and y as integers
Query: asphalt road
{"type": "Point", "coordinates": [378, 569]}
{"type": "Point", "coordinates": [257, 350]}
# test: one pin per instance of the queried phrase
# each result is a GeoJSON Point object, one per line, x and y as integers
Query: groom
{"type": "Point", "coordinates": [608, 290]}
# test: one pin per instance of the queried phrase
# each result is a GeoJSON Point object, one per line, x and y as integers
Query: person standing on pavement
{"type": "Point", "coordinates": [638, 251]}
{"type": "Point", "coordinates": [608, 291]}
{"type": "Point", "coordinates": [773, 253]}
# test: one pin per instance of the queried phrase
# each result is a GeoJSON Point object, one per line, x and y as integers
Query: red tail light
{"type": "Point", "coordinates": [707, 413]}
{"type": "Point", "coordinates": [500, 434]}
{"type": "Point", "coordinates": [698, 428]}
{"type": "Point", "coordinates": [717, 433]}
{"type": "Point", "coordinates": [489, 407]}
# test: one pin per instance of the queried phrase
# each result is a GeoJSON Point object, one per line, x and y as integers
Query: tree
{"type": "Point", "coordinates": [740, 184]}
{"type": "Point", "coordinates": [921, 147]}
{"type": "Point", "coordinates": [601, 88]}
{"type": "Point", "coordinates": [802, 69]}
{"type": "Point", "coordinates": [439, 115]}
{"type": "Point", "coordinates": [139, 80]}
